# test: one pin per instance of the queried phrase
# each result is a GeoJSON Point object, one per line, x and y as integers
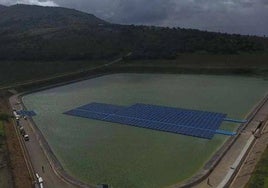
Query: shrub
{"type": "Point", "coordinates": [4, 117]}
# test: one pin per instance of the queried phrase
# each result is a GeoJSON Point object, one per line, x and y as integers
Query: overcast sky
{"type": "Point", "coordinates": [232, 16]}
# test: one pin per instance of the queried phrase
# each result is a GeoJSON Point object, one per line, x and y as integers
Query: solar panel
{"type": "Point", "coordinates": [161, 126]}
{"type": "Point", "coordinates": [102, 108]}
{"type": "Point", "coordinates": [176, 120]}
{"type": "Point", "coordinates": [86, 114]}
{"type": "Point", "coordinates": [191, 118]}
{"type": "Point", "coordinates": [26, 113]}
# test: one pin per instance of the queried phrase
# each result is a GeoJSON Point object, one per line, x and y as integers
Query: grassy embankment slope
{"type": "Point", "coordinates": [20, 71]}
{"type": "Point", "coordinates": [3, 170]}
{"type": "Point", "coordinates": [260, 177]}
{"type": "Point", "coordinates": [248, 64]}
{"type": "Point", "coordinates": [3, 117]}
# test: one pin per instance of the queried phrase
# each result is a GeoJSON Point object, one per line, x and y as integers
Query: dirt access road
{"type": "Point", "coordinates": [39, 159]}
{"type": "Point", "coordinates": [225, 165]}
{"type": "Point", "coordinates": [254, 155]}
{"type": "Point", "coordinates": [19, 177]}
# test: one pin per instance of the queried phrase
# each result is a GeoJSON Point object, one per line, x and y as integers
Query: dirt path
{"type": "Point", "coordinates": [253, 157]}
{"type": "Point", "coordinates": [38, 155]}
{"type": "Point", "coordinates": [21, 176]}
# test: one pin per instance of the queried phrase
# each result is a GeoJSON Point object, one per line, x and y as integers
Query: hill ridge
{"type": "Point", "coordinates": [2, 7]}
{"type": "Point", "coordinates": [37, 16]}
{"type": "Point", "coordinates": [30, 32]}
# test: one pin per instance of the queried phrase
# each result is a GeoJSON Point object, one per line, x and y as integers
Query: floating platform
{"type": "Point", "coordinates": [26, 113]}
{"type": "Point", "coordinates": [235, 120]}
{"type": "Point", "coordinates": [224, 132]}
{"type": "Point", "coordinates": [195, 123]}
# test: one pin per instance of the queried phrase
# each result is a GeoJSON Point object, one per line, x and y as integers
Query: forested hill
{"type": "Point", "coordinates": [49, 33]}
{"type": "Point", "coordinates": [2, 7]}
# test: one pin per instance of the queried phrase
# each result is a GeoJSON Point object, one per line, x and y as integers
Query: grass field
{"type": "Point", "coordinates": [19, 71]}
{"type": "Point", "coordinates": [243, 64]}
{"type": "Point", "coordinates": [260, 177]}
{"type": "Point", "coordinates": [208, 60]}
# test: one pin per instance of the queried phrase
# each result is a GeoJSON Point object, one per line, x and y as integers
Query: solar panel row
{"type": "Point", "coordinates": [206, 120]}
{"type": "Point", "coordinates": [102, 108]}
{"type": "Point", "coordinates": [176, 120]}
{"type": "Point", "coordinates": [224, 132]}
{"type": "Point", "coordinates": [86, 114]}
{"type": "Point", "coordinates": [235, 120]}
{"type": "Point", "coordinates": [161, 126]}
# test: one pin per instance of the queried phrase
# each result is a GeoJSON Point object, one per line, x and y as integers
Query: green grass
{"type": "Point", "coordinates": [217, 64]}
{"type": "Point", "coordinates": [260, 177]}
{"type": "Point", "coordinates": [4, 178]}
{"type": "Point", "coordinates": [20, 71]}
{"type": "Point", "coordinates": [4, 117]}
{"type": "Point", "coordinates": [254, 60]}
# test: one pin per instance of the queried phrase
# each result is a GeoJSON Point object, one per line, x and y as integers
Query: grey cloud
{"type": "Point", "coordinates": [140, 11]}
{"type": "Point", "coordinates": [234, 16]}
{"type": "Point", "coordinates": [38, 2]}
{"type": "Point", "coordinates": [224, 16]}
{"type": "Point", "coordinates": [29, 2]}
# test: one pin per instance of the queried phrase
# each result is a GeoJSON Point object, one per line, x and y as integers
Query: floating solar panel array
{"type": "Point", "coordinates": [176, 120]}
{"type": "Point", "coordinates": [26, 113]}
{"type": "Point", "coordinates": [95, 110]}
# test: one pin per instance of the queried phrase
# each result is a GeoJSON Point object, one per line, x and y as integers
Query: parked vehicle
{"type": "Point", "coordinates": [26, 137]}
{"type": "Point", "coordinates": [40, 180]}
{"type": "Point", "coordinates": [22, 131]}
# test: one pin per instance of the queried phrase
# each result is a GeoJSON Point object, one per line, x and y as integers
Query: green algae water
{"type": "Point", "coordinates": [125, 156]}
